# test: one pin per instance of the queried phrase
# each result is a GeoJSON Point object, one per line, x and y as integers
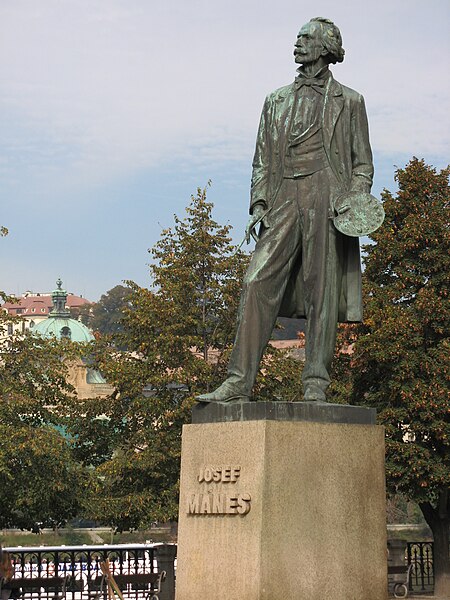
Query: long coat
{"type": "Point", "coordinates": [346, 141]}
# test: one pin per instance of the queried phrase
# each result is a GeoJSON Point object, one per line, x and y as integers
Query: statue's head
{"type": "Point", "coordinates": [319, 39]}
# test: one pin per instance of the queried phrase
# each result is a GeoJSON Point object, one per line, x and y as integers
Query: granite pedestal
{"type": "Point", "coordinates": [282, 502]}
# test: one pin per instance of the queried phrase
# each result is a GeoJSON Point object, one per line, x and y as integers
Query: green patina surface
{"type": "Point", "coordinates": [312, 148]}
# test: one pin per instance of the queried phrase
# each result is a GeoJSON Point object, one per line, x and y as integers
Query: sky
{"type": "Point", "coordinates": [114, 112]}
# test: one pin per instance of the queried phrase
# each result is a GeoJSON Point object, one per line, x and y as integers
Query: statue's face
{"type": "Point", "coordinates": [309, 46]}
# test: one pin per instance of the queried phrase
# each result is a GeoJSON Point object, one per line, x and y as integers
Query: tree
{"type": "Point", "coordinates": [178, 337]}
{"type": "Point", "coordinates": [401, 363]}
{"type": "Point", "coordinates": [105, 316]}
{"type": "Point", "coordinates": [40, 483]}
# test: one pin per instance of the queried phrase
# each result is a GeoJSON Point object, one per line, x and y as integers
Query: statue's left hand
{"type": "Point", "coordinates": [343, 209]}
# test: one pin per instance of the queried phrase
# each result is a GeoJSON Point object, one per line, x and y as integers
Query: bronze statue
{"type": "Point", "coordinates": [312, 149]}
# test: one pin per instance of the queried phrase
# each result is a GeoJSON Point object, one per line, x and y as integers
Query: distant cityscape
{"type": "Point", "coordinates": [34, 307]}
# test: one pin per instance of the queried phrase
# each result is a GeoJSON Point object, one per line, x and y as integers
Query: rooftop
{"type": "Point", "coordinates": [30, 304]}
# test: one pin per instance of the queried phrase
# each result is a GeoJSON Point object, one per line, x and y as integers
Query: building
{"type": "Point", "coordinates": [32, 308]}
{"type": "Point", "coordinates": [59, 324]}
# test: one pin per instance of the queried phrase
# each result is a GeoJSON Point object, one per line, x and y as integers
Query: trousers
{"type": "Point", "coordinates": [300, 230]}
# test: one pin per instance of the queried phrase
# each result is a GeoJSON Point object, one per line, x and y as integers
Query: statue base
{"type": "Point", "coordinates": [278, 507]}
{"type": "Point", "coordinates": [319, 412]}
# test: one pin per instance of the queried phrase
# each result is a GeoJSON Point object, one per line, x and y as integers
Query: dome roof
{"type": "Point", "coordinates": [61, 327]}
{"type": "Point", "coordinates": [59, 323]}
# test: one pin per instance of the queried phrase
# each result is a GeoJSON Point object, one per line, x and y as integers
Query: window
{"type": "Point", "coordinates": [66, 333]}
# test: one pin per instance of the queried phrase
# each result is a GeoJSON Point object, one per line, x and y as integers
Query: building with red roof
{"type": "Point", "coordinates": [35, 307]}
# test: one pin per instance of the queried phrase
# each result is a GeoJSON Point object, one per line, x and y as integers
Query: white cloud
{"type": "Point", "coordinates": [109, 86]}
{"type": "Point", "coordinates": [96, 93]}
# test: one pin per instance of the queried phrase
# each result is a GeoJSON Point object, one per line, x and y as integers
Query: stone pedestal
{"type": "Point", "coordinates": [275, 508]}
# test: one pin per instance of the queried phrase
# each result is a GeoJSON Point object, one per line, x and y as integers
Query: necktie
{"type": "Point", "coordinates": [313, 82]}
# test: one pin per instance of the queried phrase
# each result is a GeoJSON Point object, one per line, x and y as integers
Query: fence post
{"type": "Point", "coordinates": [397, 551]}
{"type": "Point", "coordinates": [396, 558]}
{"type": "Point", "coordinates": [165, 556]}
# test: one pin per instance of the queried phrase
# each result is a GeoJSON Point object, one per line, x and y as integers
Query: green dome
{"type": "Point", "coordinates": [59, 324]}
{"type": "Point", "coordinates": [63, 327]}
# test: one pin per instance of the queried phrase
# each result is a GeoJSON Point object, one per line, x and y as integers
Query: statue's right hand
{"type": "Point", "coordinates": [255, 217]}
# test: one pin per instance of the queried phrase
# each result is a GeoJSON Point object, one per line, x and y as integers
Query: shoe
{"type": "Point", "coordinates": [314, 394]}
{"type": "Point", "coordinates": [226, 392]}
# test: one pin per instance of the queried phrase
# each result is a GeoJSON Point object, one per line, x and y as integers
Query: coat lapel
{"type": "Point", "coordinates": [284, 110]}
{"type": "Point", "coordinates": [334, 103]}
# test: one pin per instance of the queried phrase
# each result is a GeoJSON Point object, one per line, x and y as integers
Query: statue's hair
{"type": "Point", "coordinates": [331, 39]}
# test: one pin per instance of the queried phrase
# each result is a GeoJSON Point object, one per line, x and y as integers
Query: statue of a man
{"type": "Point", "coordinates": [312, 147]}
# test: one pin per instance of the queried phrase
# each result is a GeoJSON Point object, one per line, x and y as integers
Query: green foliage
{"type": "Point", "coordinates": [40, 484]}
{"type": "Point", "coordinates": [279, 377]}
{"type": "Point", "coordinates": [401, 363]}
{"type": "Point", "coordinates": [197, 277]}
{"type": "Point", "coordinates": [105, 316]}
{"type": "Point", "coordinates": [39, 481]}
{"type": "Point", "coordinates": [33, 379]}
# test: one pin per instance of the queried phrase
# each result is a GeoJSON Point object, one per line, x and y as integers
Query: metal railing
{"type": "Point", "coordinates": [420, 555]}
{"type": "Point", "coordinates": [81, 566]}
